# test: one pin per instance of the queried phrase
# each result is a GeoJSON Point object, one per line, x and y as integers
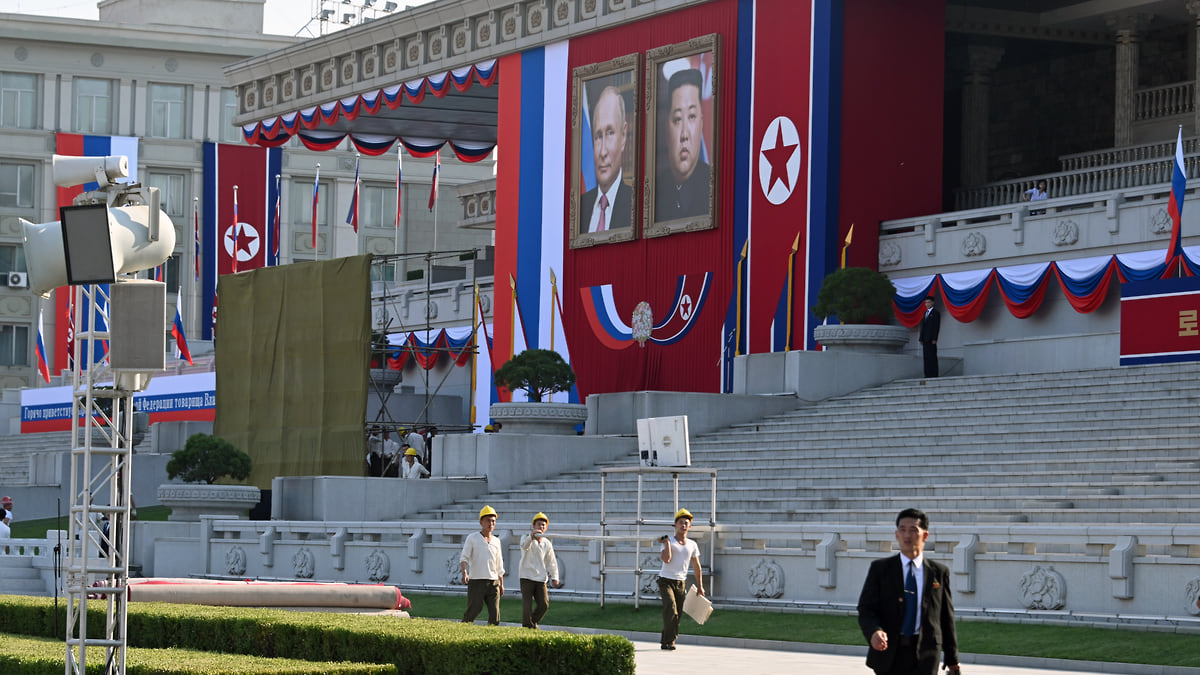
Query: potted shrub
{"type": "Point", "coordinates": [540, 373]}
{"type": "Point", "coordinates": [203, 461]}
{"type": "Point", "coordinates": [861, 299]}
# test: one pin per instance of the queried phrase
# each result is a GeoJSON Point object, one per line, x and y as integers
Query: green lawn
{"type": "Point", "coordinates": [36, 529]}
{"type": "Point", "coordinates": [1089, 644]}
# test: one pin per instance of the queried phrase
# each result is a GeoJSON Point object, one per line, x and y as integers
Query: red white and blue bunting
{"type": "Point", "coordinates": [1084, 281]}
{"type": "Point", "coordinates": [305, 124]}
{"type": "Point", "coordinates": [427, 348]}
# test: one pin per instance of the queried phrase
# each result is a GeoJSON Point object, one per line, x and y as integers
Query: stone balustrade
{"type": "Point", "coordinates": [1098, 223]}
{"type": "Point", "coordinates": [1168, 100]}
{"type": "Point", "coordinates": [1128, 153]}
{"type": "Point", "coordinates": [1058, 573]}
{"type": "Point", "coordinates": [407, 305]}
{"type": "Point", "coordinates": [1082, 181]}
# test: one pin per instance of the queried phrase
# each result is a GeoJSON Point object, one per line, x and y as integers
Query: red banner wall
{"type": "Point", "coordinates": [648, 269]}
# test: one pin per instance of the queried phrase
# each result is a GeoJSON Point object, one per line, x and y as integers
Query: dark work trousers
{"type": "Point", "coordinates": [929, 350]}
{"type": "Point", "coordinates": [535, 600]}
{"type": "Point", "coordinates": [672, 593]}
{"type": "Point", "coordinates": [482, 592]}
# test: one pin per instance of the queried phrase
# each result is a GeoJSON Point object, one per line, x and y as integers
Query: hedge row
{"type": "Point", "coordinates": [411, 645]}
{"type": "Point", "coordinates": [44, 656]}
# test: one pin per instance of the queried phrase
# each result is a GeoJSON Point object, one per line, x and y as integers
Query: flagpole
{"type": "Point", "coordinates": [195, 313]}
{"type": "Point", "coordinates": [553, 298]}
{"type": "Point", "coordinates": [474, 353]}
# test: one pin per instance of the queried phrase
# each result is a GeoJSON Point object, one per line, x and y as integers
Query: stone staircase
{"type": "Point", "coordinates": [1105, 446]}
{"type": "Point", "coordinates": [19, 577]}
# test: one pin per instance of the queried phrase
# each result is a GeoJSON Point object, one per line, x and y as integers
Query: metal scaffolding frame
{"type": "Point", "coordinates": [638, 538]}
{"type": "Point", "coordinates": [98, 541]}
{"type": "Point", "coordinates": [383, 418]}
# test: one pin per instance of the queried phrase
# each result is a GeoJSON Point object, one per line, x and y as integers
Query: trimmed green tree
{"type": "Point", "coordinates": [856, 295]}
{"type": "Point", "coordinates": [206, 459]}
{"type": "Point", "coordinates": [540, 372]}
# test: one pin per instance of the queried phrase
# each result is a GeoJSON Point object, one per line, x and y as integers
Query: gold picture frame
{"type": "Point", "coordinates": [680, 187]}
{"type": "Point", "coordinates": [605, 146]}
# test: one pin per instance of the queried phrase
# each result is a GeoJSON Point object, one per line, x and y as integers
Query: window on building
{"type": "Point", "coordinates": [229, 108]}
{"type": "Point", "coordinates": [93, 106]}
{"type": "Point", "coordinates": [378, 207]}
{"type": "Point", "coordinates": [300, 202]}
{"type": "Point", "coordinates": [172, 194]}
{"type": "Point", "coordinates": [168, 108]}
{"type": "Point", "coordinates": [14, 345]}
{"type": "Point", "coordinates": [16, 185]}
{"type": "Point", "coordinates": [383, 272]}
{"type": "Point", "coordinates": [12, 259]}
{"type": "Point", "coordinates": [18, 100]}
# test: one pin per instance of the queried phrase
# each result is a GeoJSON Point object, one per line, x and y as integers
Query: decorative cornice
{"type": "Point", "coordinates": [420, 42]}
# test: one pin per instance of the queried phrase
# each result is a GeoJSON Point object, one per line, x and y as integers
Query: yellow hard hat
{"type": "Point", "coordinates": [683, 513]}
{"type": "Point", "coordinates": [488, 511]}
{"type": "Point", "coordinates": [541, 516]}
{"type": "Point", "coordinates": [411, 452]}
{"type": "Point", "coordinates": [489, 428]}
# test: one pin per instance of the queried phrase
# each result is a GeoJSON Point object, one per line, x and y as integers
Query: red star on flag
{"type": "Point", "coordinates": [778, 158]}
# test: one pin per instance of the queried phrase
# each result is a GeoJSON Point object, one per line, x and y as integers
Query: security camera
{"type": "Point", "coordinates": [69, 171]}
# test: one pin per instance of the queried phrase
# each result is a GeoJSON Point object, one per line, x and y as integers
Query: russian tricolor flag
{"type": "Point", "coordinates": [316, 197]}
{"type": "Point", "coordinates": [437, 169]}
{"type": "Point", "coordinates": [181, 346]}
{"type": "Point", "coordinates": [1175, 206]}
{"type": "Point", "coordinates": [43, 365]}
{"type": "Point", "coordinates": [352, 217]}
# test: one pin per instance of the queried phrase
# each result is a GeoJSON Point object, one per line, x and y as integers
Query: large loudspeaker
{"type": "Point", "coordinates": [68, 171]}
{"type": "Point", "coordinates": [132, 249]}
{"type": "Point", "coordinates": [138, 325]}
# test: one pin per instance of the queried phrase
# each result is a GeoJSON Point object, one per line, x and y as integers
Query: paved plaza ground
{"type": "Point", "coordinates": [761, 657]}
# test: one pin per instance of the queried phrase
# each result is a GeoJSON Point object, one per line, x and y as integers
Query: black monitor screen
{"type": "Point", "coordinates": [87, 244]}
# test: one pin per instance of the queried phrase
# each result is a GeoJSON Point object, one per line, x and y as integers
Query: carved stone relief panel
{"type": "Point", "coordinates": [414, 51]}
{"type": "Point", "coordinates": [1042, 588]}
{"type": "Point", "coordinates": [348, 72]}
{"type": "Point", "coordinates": [460, 38]}
{"type": "Point", "coordinates": [370, 63]}
{"type": "Point", "coordinates": [889, 254]}
{"type": "Point", "coordinates": [765, 579]}
{"type": "Point", "coordinates": [437, 44]}
{"type": "Point", "coordinates": [510, 23]}
{"type": "Point", "coordinates": [564, 13]}
{"type": "Point", "coordinates": [288, 86]}
{"type": "Point", "coordinates": [308, 81]}
{"type": "Point", "coordinates": [485, 31]}
{"type": "Point", "coordinates": [1066, 233]}
{"type": "Point", "coordinates": [304, 564]}
{"type": "Point", "coordinates": [974, 244]}
{"type": "Point", "coordinates": [378, 566]}
{"type": "Point", "coordinates": [235, 561]}
{"type": "Point", "coordinates": [535, 19]}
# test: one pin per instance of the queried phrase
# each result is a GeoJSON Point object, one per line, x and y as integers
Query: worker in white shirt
{"type": "Point", "coordinates": [413, 467]}
{"type": "Point", "coordinates": [482, 565]}
{"type": "Point", "coordinates": [538, 567]}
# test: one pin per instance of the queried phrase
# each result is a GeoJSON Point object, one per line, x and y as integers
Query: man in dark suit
{"type": "Point", "coordinates": [681, 190]}
{"type": "Point", "coordinates": [905, 609]}
{"type": "Point", "coordinates": [931, 324]}
{"type": "Point", "coordinates": [609, 205]}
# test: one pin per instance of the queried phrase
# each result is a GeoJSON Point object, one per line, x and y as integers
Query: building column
{"type": "Point", "coordinates": [1128, 29]}
{"type": "Point", "coordinates": [982, 59]}
{"type": "Point", "coordinates": [1193, 8]}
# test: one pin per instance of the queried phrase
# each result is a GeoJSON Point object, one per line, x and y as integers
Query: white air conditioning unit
{"type": "Point", "coordinates": [18, 280]}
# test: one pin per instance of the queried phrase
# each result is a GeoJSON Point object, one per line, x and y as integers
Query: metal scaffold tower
{"type": "Point", "coordinates": [98, 541]}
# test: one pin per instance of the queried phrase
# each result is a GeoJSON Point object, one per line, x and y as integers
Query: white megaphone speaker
{"type": "Point", "coordinates": [68, 171]}
{"type": "Point", "coordinates": [125, 230]}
